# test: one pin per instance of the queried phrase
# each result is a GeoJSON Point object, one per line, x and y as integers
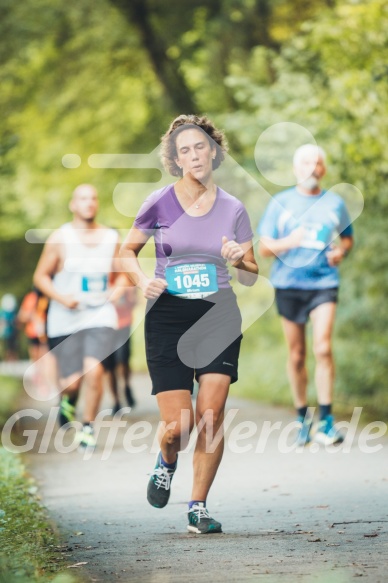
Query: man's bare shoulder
{"type": "Point", "coordinates": [113, 233]}
{"type": "Point", "coordinates": [105, 227]}
{"type": "Point", "coordinates": [55, 238]}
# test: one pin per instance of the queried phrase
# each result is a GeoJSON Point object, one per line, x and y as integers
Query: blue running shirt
{"type": "Point", "coordinates": [323, 216]}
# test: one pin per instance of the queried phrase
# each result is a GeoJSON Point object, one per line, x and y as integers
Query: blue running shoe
{"type": "Point", "coordinates": [326, 433]}
{"type": "Point", "coordinates": [159, 485]}
{"type": "Point", "coordinates": [200, 521]}
{"type": "Point", "coordinates": [303, 436]}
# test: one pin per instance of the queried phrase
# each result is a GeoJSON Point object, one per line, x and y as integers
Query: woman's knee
{"type": "Point", "coordinates": [177, 431]}
{"type": "Point", "coordinates": [209, 418]}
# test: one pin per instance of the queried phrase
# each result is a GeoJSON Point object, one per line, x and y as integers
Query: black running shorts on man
{"type": "Point", "coordinates": [121, 349]}
{"type": "Point", "coordinates": [71, 350]}
{"type": "Point", "coordinates": [296, 304]}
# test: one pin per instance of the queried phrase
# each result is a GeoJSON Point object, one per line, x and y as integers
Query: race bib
{"type": "Point", "coordinates": [192, 280]}
{"type": "Point", "coordinates": [317, 236]}
{"type": "Point", "coordinates": [94, 289]}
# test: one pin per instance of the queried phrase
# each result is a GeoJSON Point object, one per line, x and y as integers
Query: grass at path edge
{"type": "Point", "coordinates": [30, 551]}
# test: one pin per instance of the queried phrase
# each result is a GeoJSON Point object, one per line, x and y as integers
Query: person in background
{"type": "Point", "coordinates": [299, 229]}
{"type": "Point", "coordinates": [74, 271]}
{"type": "Point", "coordinates": [8, 327]}
{"type": "Point", "coordinates": [32, 316]}
{"type": "Point", "coordinates": [117, 364]}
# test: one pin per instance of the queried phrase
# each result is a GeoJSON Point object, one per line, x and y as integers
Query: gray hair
{"type": "Point", "coordinates": [308, 149]}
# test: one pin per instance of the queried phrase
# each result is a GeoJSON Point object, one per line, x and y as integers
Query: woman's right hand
{"type": "Point", "coordinates": [153, 288]}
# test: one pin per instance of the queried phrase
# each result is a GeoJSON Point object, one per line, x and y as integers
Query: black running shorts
{"type": "Point", "coordinates": [296, 304]}
{"type": "Point", "coordinates": [71, 350]}
{"type": "Point", "coordinates": [121, 349]}
{"type": "Point", "coordinates": [187, 338]}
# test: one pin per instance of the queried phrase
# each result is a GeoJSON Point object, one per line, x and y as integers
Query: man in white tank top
{"type": "Point", "coordinates": [73, 272]}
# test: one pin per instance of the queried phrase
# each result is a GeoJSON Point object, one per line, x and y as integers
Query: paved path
{"type": "Point", "coordinates": [296, 516]}
{"type": "Point", "coordinates": [14, 368]}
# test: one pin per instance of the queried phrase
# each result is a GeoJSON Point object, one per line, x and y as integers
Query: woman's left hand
{"type": "Point", "coordinates": [231, 251]}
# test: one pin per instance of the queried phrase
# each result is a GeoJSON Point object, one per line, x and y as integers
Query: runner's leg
{"type": "Point", "coordinates": [322, 318]}
{"type": "Point", "coordinates": [176, 413]}
{"type": "Point", "coordinates": [70, 385]}
{"type": "Point", "coordinates": [93, 387]}
{"type": "Point", "coordinates": [296, 364]}
{"type": "Point", "coordinates": [323, 321]}
{"type": "Point", "coordinates": [176, 423]}
{"type": "Point", "coordinates": [212, 394]}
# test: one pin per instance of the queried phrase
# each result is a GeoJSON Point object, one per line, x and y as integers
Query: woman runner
{"type": "Point", "coordinates": [193, 323]}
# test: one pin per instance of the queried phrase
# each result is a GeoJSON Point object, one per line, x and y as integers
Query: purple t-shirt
{"type": "Point", "coordinates": [183, 239]}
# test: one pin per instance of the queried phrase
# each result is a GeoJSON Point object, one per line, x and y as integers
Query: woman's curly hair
{"type": "Point", "coordinates": [168, 151]}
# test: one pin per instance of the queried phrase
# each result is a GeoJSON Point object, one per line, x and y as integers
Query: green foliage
{"type": "Point", "coordinates": [10, 389]}
{"type": "Point", "coordinates": [333, 80]}
{"type": "Point", "coordinates": [29, 549]}
{"type": "Point", "coordinates": [78, 84]}
{"type": "Point", "coordinates": [28, 543]}
{"type": "Point", "coordinates": [81, 78]}
{"type": "Point", "coordinates": [18, 260]}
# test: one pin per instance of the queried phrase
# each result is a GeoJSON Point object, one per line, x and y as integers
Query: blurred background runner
{"type": "Point", "coordinates": [117, 364]}
{"type": "Point", "coordinates": [8, 328]}
{"type": "Point", "coordinates": [32, 316]}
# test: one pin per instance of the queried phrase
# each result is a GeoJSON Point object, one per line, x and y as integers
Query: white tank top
{"type": "Point", "coordinates": [85, 275]}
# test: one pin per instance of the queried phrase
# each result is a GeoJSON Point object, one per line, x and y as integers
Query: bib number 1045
{"type": "Point", "coordinates": [188, 281]}
{"type": "Point", "coordinates": [192, 280]}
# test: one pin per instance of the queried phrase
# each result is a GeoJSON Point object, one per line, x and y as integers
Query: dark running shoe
{"type": "Point", "coordinates": [129, 396]}
{"type": "Point", "coordinates": [66, 411]}
{"type": "Point", "coordinates": [200, 522]}
{"type": "Point", "coordinates": [115, 409]}
{"type": "Point", "coordinates": [159, 485]}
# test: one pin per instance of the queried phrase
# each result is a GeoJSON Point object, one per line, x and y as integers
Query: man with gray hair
{"type": "Point", "coordinates": [298, 229]}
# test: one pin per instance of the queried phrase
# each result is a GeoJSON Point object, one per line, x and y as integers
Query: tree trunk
{"type": "Point", "coordinates": [137, 12]}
